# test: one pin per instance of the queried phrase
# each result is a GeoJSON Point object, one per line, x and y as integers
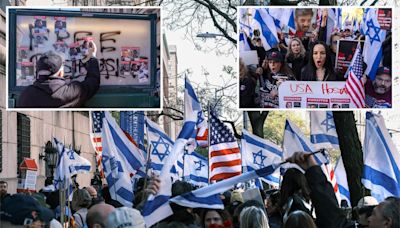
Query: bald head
{"type": "Point", "coordinates": [92, 191]}
{"type": "Point", "coordinates": [97, 215]}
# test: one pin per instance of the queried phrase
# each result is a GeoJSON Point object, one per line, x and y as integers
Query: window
{"type": "Point", "coordinates": [23, 138]}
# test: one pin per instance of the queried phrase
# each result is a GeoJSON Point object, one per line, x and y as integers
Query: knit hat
{"type": "Point", "coordinates": [49, 61]}
{"type": "Point", "coordinates": [125, 217]}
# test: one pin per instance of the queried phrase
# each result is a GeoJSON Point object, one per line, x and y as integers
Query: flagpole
{"type": "Point", "coordinates": [208, 140]}
{"type": "Point", "coordinates": [148, 157]}
{"type": "Point", "coordinates": [96, 145]}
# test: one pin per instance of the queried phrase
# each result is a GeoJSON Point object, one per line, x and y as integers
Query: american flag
{"type": "Point", "coordinates": [95, 136]}
{"type": "Point", "coordinates": [224, 153]}
{"type": "Point", "coordinates": [354, 85]}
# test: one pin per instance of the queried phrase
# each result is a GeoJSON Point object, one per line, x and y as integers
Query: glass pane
{"type": "Point", "coordinates": [123, 47]}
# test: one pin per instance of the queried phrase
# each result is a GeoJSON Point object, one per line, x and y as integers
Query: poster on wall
{"type": "Point", "coordinates": [123, 53]}
{"type": "Point", "coordinates": [307, 94]}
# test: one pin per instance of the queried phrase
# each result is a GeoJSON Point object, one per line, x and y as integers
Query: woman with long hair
{"type": "Point", "coordinates": [296, 56]}
{"type": "Point", "coordinates": [274, 71]}
{"type": "Point", "coordinates": [247, 87]}
{"type": "Point", "coordinates": [295, 193]}
{"type": "Point", "coordinates": [319, 67]}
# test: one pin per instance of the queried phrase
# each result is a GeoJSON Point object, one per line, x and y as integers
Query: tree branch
{"type": "Point", "coordinates": [212, 7]}
{"type": "Point", "coordinates": [236, 134]}
{"type": "Point", "coordinates": [220, 28]}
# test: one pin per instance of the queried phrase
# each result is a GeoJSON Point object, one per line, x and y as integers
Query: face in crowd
{"type": "Point", "coordinates": [212, 217]}
{"type": "Point", "coordinates": [274, 66]}
{"type": "Point", "coordinates": [319, 56]}
{"type": "Point", "coordinates": [384, 215]}
{"type": "Point", "coordinates": [303, 19]}
{"type": "Point", "coordinates": [382, 83]}
{"type": "Point", "coordinates": [3, 189]}
{"type": "Point", "coordinates": [295, 47]}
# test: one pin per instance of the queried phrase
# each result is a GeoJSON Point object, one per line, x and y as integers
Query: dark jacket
{"type": "Point", "coordinates": [60, 92]}
{"type": "Point", "coordinates": [296, 64]}
{"type": "Point", "coordinates": [308, 74]}
{"type": "Point", "coordinates": [328, 212]}
{"type": "Point", "coordinates": [260, 51]}
{"type": "Point", "coordinates": [247, 92]}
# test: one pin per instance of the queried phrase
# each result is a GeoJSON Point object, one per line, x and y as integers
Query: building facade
{"type": "Point", "coordinates": [24, 134]}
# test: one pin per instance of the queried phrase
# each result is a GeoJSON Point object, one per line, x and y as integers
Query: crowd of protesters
{"type": "Point", "coordinates": [304, 199]}
{"type": "Point", "coordinates": [305, 56]}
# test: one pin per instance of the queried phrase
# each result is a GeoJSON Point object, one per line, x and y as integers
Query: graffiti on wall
{"type": "Point", "coordinates": [123, 47]}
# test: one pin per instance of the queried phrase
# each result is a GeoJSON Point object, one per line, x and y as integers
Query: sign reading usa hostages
{"type": "Point", "coordinates": [305, 94]}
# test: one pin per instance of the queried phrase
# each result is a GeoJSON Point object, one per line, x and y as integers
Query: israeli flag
{"type": "Point", "coordinates": [160, 145]}
{"type": "Point", "coordinates": [208, 197]}
{"type": "Point", "coordinates": [341, 180]}
{"type": "Point", "coordinates": [374, 37]}
{"type": "Point", "coordinates": [381, 160]}
{"type": "Point", "coordinates": [265, 24]}
{"type": "Point", "coordinates": [258, 153]}
{"type": "Point", "coordinates": [338, 18]}
{"type": "Point", "coordinates": [160, 148]}
{"type": "Point", "coordinates": [294, 140]}
{"type": "Point", "coordinates": [194, 112]}
{"type": "Point", "coordinates": [69, 163]}
{"type": "Point", "coordinates": [121, 161]}
{"type": "Point", "coordinates": [283, 17]}
{"type": "Point", "coordinates": [196, 169]}
{"type": "Point", "coordinates": [331, 24]}
{"type": "Point", "coordinates": [157, 207]}
{"type": "Point", "coordinates": [323, 130]}
{"type": "Point", "coordinates": [243, 44]}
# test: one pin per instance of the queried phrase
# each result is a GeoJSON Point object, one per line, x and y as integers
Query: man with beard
{"type": "Point", "coordinates": [378, 93]}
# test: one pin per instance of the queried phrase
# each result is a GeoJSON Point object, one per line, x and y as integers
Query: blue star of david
{"type": "Point", "coordinates": [199, 117]}
{"type": "Point", "coordinates": [157, 143]}
{"type": "Point", "coordinates": [375, 37]}
{"type": "Point", "coordinates": [328, 122]}
{"type": "Point", "coordinates": [71, 155]}
{"type": "Point", "coordinates": [200, 165]}
{"type": "Point", "coordinates": [262, 158]}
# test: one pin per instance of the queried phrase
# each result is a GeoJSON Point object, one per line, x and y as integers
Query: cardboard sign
{"type": "Point", "coordinates": [30, 180]}
{"type": "Point", "coordinates": [344, 55]}
{"type": "Point", "coordinates": [385, 18]}
{"type": "Point", "coordinates": [306, 94]}
{"type": "Point", "coordinates": [249, 57]}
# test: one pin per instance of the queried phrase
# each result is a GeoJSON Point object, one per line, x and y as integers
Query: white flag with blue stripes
{"type": "Point", "coordinates": [341, 180]}
{"type": "Point", "coordinates": [283, 17]}
{"type": "Point", "coordinates": [323, 131]}
{"type": "Point", "coordinates": [157, 207]}
{"type": "Point", "coordinates": [121, 161]}
{"type": "Point", "coordinates": [69, 163]}
{"type": "Point", "coordinates": [208, 197]}
{"type": "Point", "coordinates": [294, 140]}
{"type": "Point", "coordinates": [258, 153]}
{"type": "Point", "coordinates": [194, 112]}
{"type": "Point", "coordinates": [196, 169]}
{"type": "Point", "coordinates": [160, 147]}
{"type": "Point", "coordinates": [264, 22]}
{"type": "Point", "coordinates": [381, 159]}
{"type": "Point", "coordinates": [374, 37]}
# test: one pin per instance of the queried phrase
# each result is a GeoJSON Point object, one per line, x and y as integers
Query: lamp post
{"type": "Point", "coordinates": [50, 156]}
{"type": "Point", "coordinates": [208, 35]}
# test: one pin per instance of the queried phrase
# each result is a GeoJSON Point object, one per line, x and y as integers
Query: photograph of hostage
{"type": "Point", "coordinates": [52, 90]}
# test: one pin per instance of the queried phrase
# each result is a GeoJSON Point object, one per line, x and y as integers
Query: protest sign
{"type": "Point", "coordinates": [307, 94]}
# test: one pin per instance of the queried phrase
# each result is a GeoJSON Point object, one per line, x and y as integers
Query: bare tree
{"type": "Point", "coordinates": [198, 16]}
